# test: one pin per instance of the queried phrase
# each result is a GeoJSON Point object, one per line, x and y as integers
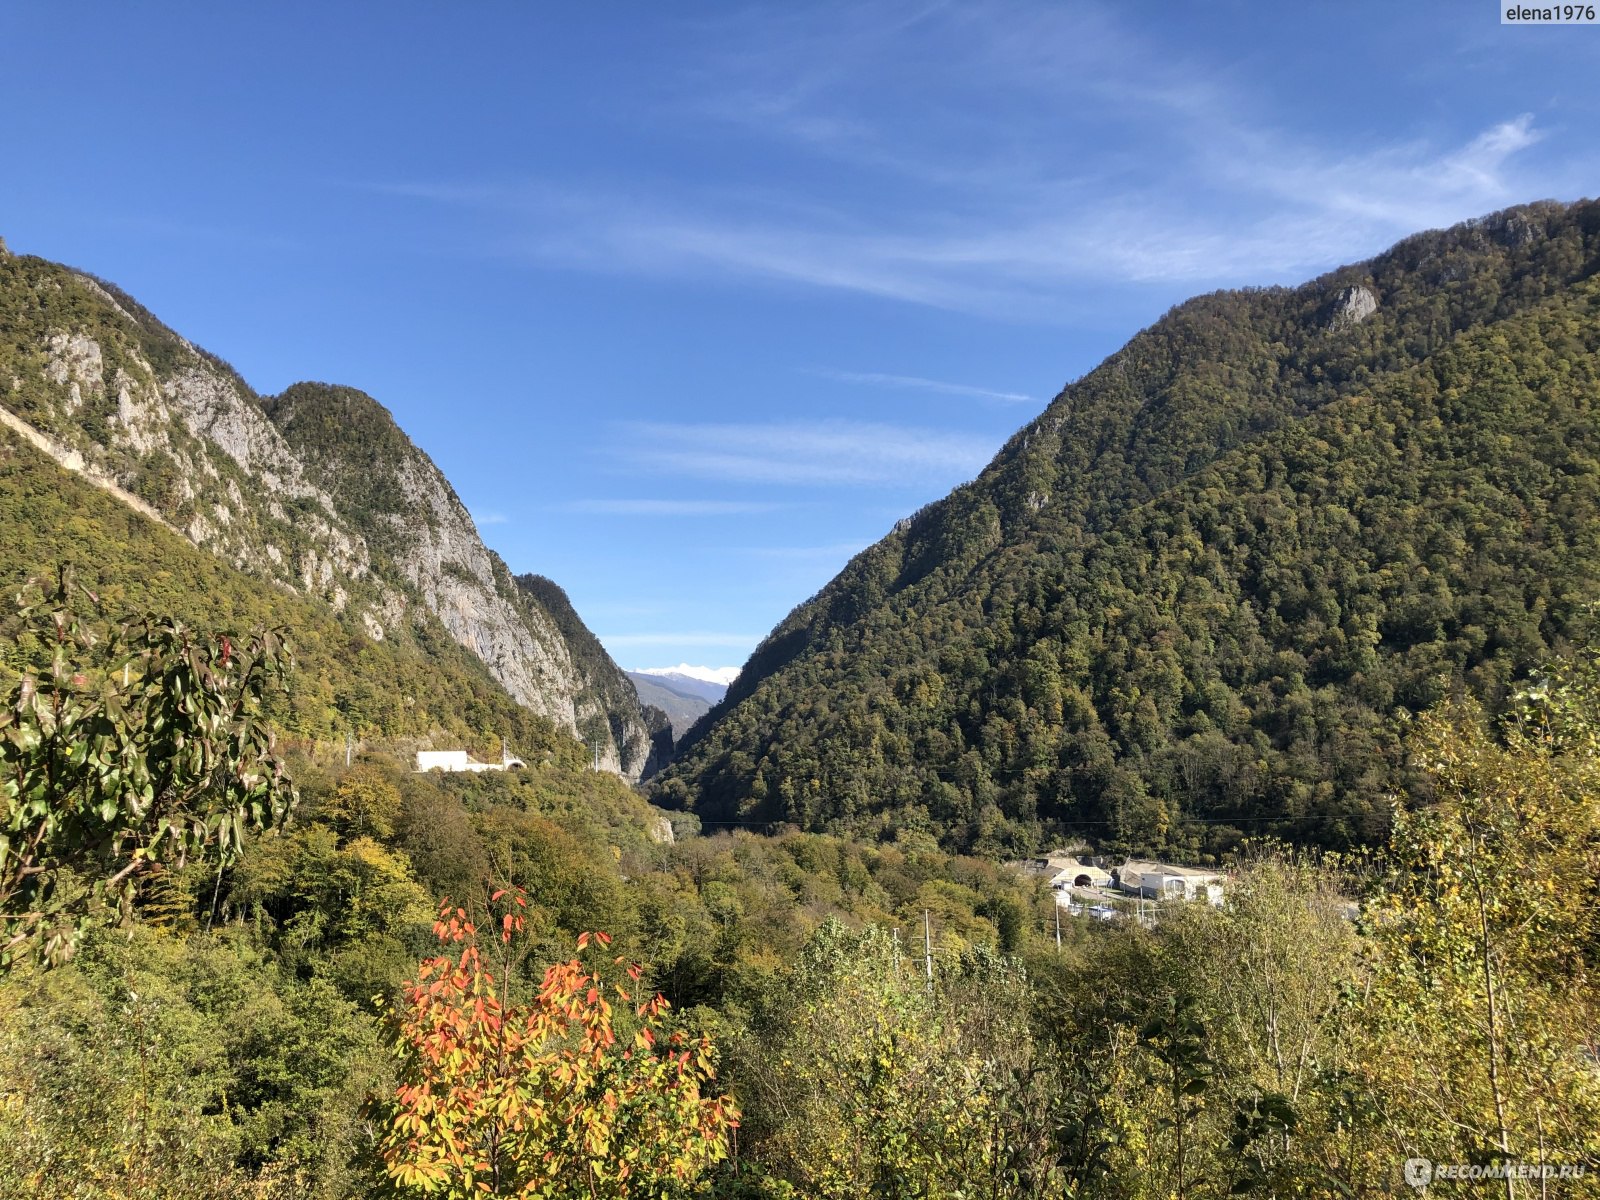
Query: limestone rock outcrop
{"type": "Point", "coordinates": [317, 490]}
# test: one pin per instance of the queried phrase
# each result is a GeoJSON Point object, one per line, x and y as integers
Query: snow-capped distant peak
{"type": "Point", "coordinates": [721, 675]}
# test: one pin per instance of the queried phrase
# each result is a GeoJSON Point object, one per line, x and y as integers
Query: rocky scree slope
{"type": "Point", "coordinates": [1193, 601]}
{"type": "Point", "coordinates": [316, 490]}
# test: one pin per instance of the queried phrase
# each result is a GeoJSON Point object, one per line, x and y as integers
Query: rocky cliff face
{"type": "Point", "coordinates": [317, 490]}
{"type": "Point", "coordinates": [417, 529]}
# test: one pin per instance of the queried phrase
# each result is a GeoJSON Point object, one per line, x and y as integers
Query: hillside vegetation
{"type": "Point", "coordinates": [1296, 528]}
{"type": "Point", "coordinates": [1195, 599]}
{"type": "Point", "coordinates": [415, 686]}
{"type": "Point", "coordinates": [261, 1031]}
{"type": "Point", "coordinates": [317, 491]}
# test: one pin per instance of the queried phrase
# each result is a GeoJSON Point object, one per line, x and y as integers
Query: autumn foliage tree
{"type": "Point", "coordinates": [544, 1098]}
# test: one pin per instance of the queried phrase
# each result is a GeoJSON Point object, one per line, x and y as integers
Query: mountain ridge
{"type": "Point", "coordinates": [990, 672]}
{"type": "Point", "coordinates": [684, 693]}
{"type": "Point", "coordinates": [316, 489]}
{"type": "Point", "coordinates": [681, 706]}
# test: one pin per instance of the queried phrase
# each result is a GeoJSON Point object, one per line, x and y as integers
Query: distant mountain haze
{"type": "Point", "coordinates": [315, 491]}
{"type": "Point", "coordinates": [1195, 599]}
{"type": "Point", "coordinates": [682, 708]}
{"type": "Point", "coordinates": [710, 682]}
{"type": "Point", "coordinates": [722, 675]}
{"type": "Point", "coordinates": [685, 693]}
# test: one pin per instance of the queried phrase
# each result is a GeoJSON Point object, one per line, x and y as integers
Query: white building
{"type": "Point", "coordinates": [460, 760]}
{"type": "Point", "coordinates": [1159, 881]}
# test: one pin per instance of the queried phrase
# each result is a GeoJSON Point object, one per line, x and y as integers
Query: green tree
{"type": "Point", "coordinates": [154, 1067]}
{"type": "Point", "coordinates": [365, 803]}
{"type": "Point", "coordinates": [1482, 1010]}
{"type": "Point", "coordinates": [121, 755]}
{"type": "Point", "coordinates": [869, 1078]}
{"type": "Point", "coordinates": [1177, 1040]}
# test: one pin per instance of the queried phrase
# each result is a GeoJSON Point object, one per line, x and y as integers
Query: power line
{"type": "Point", "coordinates": [1075, 824]}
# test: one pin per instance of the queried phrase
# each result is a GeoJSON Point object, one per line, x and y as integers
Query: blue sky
{"type": "Point", "coordinates": [693, 301]}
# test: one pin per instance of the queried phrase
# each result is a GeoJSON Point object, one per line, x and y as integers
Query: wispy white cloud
{"type": "Point", "coordinates": [691, 638]}
{"type": "Point", "coordinates": [1387, 191]}
{"type": "Point", "coordinates": [1007, 159]}
{"type": "Point", "coordinates": [837, 552]}
{"type": "Point", "coordinates": [832, 452]}
{"type": "Point", "coordinates": [876, 379]}
{"type": "Point", "coordinates": [668, 508]}
{"type": "Point", "coordinates": [610, 608]}
{"type": "Point", "coordinates": [490, 517]}
{"type": "Point", "coordinates": [1261, 208]}
{"type": "Point", "coordinates": [1275, 209]}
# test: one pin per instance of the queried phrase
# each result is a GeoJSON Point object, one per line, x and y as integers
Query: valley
{"type": "Point", "coordinates": [1281, 618]}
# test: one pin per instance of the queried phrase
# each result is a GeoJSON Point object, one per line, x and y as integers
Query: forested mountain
{"type": "Point", "coordinates": [1194, 600]}
{"type": "Point", "coordinates": [316, 490]}
{"type": "Point", "coordinates": [408, 983]}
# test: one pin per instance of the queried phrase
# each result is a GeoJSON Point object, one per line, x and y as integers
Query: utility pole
{"type": "Point", "coordinates": [927, 948]}
{"type": "Point", "coordinates": [349, 741]}
{"type": "Point", "coordinates": [1058, 926]}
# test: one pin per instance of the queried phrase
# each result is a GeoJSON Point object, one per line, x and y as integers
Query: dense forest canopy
{"type": "Point", "coordinates": [263, 1030]}
{"type": "Point", "coordinates": [1200, 599]}
{"type": "Point", "coordinates": [1193, 601]}
{"type": "Point", "coordinates": [415, 684]}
